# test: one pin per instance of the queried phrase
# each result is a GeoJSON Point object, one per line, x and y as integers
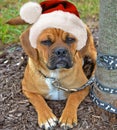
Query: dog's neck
{"type": "Point", "coordinates": [62, 74]}
{"type": "Point", "coordinates": [42, 67]}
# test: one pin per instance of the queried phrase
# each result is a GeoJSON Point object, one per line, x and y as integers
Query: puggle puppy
{"type": "Point", "coordinates": [56, 52]}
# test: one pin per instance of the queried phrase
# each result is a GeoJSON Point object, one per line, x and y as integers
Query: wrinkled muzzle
{"type": "Point", "coordinates": [60, 58]}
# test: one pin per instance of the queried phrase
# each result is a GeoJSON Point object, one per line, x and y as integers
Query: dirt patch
{"type": "Point", "coordinates": [16, 113]}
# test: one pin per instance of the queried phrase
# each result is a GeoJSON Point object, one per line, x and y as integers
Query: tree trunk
{"type": "Point", "coordinates": [108, 45]}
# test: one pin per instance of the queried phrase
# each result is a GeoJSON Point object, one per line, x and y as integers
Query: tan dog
{"type": "Point", "coordinates": [55, 57]}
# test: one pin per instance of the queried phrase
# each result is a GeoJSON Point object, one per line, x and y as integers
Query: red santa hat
{"type": "Point", "coordinates": [59, 14]}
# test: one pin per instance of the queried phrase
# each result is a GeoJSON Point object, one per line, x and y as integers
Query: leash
{"type": "Point", "coordinates": [109, 62]}
{"type": "Point", "coordinates": [102, 104]}
{"type": "Point", "coordinates": [105, 88]}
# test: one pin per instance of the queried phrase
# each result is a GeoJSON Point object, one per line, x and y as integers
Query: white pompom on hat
{"type": "Point", "coordinates": [30, 12]}
{"type": "Point", "coordinates": [59, 14]}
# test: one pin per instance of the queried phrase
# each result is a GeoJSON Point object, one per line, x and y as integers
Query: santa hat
{"type": "Point", "coordinates": [59, 14]}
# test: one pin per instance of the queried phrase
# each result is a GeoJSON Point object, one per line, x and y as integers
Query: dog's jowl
{"type": "Point", "coordinates": [56, 43]}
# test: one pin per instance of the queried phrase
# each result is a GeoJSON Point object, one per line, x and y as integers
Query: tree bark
{"type": "Point", "coordinates": [108, 45]}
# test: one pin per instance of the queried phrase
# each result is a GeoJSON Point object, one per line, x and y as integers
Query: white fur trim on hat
{"type": "Point", "coordinates": [30, 12]}
{"type": "Point", "coordinates": [62, 20]}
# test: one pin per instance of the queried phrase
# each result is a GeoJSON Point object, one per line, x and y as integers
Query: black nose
{"type": "Point", "coordinates": [61, 52]}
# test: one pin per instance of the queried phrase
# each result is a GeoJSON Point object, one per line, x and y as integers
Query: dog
{"type": "Point", "coordinates": [56, 59]}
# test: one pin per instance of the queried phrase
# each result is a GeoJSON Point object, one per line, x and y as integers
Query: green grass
{"type": "Point", "coordinates": [87, 8]}
{"type": "Point", "coordinates": [9, 9]}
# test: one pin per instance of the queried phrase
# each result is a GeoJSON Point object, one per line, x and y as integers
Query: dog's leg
{"type": "Point", "coordinates": [68, 118]}
{"type": "Point", "coordinates": [46, 119]}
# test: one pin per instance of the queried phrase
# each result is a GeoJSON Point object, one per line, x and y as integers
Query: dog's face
{"type": "Point", "coordinates": [56, 48]}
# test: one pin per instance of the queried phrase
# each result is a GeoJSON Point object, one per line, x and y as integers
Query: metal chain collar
{"type": "Point", "coordinates": [107, 61]}
{"type": "Point", "coordinates": [57, 84]}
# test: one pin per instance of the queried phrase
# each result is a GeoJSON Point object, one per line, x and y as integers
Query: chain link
{"type": "Point", "coordinates": [57, 84]}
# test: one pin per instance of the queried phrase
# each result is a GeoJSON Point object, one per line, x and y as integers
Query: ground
{"type": "Point", "coordinates": [16, 113]}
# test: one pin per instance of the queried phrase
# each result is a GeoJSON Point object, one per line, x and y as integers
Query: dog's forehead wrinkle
{"type": "Point", "coordinates": [55, 31]}
{"type": "Point", "coordinates": [62, 34]}
{"type": "Point", "coordinates": [59, 32]}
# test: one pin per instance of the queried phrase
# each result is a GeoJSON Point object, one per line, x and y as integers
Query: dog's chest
{"type": "Point", "coordinates": [54, 93]}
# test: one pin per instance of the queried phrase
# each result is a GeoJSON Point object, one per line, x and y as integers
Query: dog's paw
{"type": "Point", "coordinates": [49, 124]}
{"type": "Point", "coordinates": [47, 120]}
{"type": "Point", "coordinates": [68, 120]}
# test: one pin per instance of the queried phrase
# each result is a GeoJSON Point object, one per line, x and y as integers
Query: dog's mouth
{"type": "Point", "coordinates": [58, 63]}
{"type": "Point", "coordinates": [63, 63]}
{"type": "Point", "coordinates": [60, 58]}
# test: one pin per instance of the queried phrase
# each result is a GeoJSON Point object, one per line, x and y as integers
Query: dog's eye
{"type": "Point", "coordinates": [46, 42]}
{"type": "Point", "coordinates": [70, 40]}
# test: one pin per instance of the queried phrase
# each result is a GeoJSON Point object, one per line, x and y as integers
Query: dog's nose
{"type": "Point", "coordinates": [61, 52]}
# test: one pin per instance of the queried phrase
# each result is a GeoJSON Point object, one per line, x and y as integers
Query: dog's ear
{"type": "Point", "coordinates": [30, 51]}
{"type": "Point", "coordinates": [89, 55]}
{"type": "Point", "coordinates": [89, 50]}
{"type": "Point", "coordinates": [16, 21]}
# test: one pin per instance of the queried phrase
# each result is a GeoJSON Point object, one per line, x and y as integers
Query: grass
{"type": "Point", "coordinates": [9, 9]}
